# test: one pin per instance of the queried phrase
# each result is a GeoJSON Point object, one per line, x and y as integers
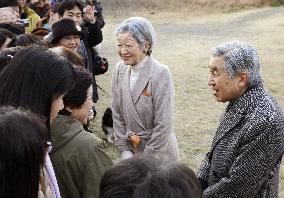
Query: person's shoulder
{"type": "Point", "coordinates": [121, 67]}
{"type": "Point", "coordinates": [159, 70]}
{"type": "Point", "coordinates": [93, 147]}
{"type": "Point", "coordinates": [267, 109]}
{"type": "Point", "coordinates": [157, 64]}
{"type": "Point", "coordinates": [89, 139]}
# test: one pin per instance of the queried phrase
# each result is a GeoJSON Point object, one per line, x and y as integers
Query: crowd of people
{"type": "Point", "coordinates": [48, 62]}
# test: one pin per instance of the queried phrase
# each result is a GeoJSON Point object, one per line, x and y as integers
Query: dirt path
{"type": "Point", "coordinates": [184, 43]}
{"type": "Point", "coordinates": [219, 28]}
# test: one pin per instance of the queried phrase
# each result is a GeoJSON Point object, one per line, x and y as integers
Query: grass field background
{"type": "Point", "coordinates": [184, 43]}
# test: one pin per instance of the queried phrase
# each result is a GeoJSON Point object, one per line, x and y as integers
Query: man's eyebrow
{"type": "Point", "coordinates": [71, 12]}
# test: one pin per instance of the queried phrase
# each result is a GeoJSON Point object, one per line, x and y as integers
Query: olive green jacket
{"type": "Point", "coordinates": [78, 158]}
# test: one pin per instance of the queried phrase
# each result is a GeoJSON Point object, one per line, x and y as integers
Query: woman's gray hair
{"type": "Point", "coordinates": [141, 30]}
{"type": "Point", "coordinates": [240, 56]}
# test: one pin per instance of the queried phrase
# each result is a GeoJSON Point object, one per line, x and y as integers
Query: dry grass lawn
{"type": "Point", "coordinates": [184, 43]}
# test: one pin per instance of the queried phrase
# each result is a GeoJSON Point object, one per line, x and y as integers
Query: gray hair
{"type": "Point", "coordinates": [141, 30]}
{"type": "Point", "coordinates": [240, 56]}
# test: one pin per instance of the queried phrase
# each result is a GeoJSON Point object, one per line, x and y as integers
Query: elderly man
{"type": "Point", "coordinates": [248, 145]}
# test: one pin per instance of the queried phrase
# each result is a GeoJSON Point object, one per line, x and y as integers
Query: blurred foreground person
{"type": "Point", "coordinates": [173, 181]}
{"type": "Point", "coordinates": [247, 148]}
{"type": "Point", "coordinates": [37, 79]}
{"type": "Point", "coordinates": [149, 176]}
{"type": "Point", "coordinates": [78, 157]}
{"type": "Point", "coordinates": [142, 94]}
{"type": "Point", "coordinates": [23, 147]}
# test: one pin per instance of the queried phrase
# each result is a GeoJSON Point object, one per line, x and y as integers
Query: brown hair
{"type": "Point", "coordinates": [70, 55]}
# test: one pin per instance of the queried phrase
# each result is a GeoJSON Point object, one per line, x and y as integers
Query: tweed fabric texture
{"type": "Point", "coordinates": [247, 149]}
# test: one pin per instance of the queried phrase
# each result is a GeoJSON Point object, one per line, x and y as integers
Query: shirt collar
{"type": "Point", "coordinates": [139, 65]}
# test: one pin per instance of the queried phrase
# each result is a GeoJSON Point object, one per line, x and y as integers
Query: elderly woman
{"type": "Point", "coordinates": [78, 157]}
{"type": "Point", "coordinates": [143, 94]}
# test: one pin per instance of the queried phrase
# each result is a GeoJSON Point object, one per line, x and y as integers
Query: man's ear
{"type": "Point", "coordinates": [243, 79]}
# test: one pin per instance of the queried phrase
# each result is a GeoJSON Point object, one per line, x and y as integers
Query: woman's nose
{"type": "Point", "coordinates": [123, 50]}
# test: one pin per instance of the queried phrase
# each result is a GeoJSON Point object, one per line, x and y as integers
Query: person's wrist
{"type": "Point", "coordinates": [93, 21]}
{"type": "Point", "coordinates": [126, 154]}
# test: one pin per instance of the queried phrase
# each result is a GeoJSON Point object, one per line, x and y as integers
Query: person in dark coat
{"type": "Point", "coordinates": [247, 149]}
{"type": "Point", "coordinates": [90, 28]}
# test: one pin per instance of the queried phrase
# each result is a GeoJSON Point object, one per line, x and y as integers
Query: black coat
{"type": "Point", "coordinates": [92, 36]}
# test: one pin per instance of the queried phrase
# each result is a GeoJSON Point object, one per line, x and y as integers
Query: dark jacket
{"type": "Point", "coordinates": [247, 149]}
{"type": "Point", "coordinates": [78, 158]}
{"type": "Point", "coordinates": [15, 29]}
{"type": "Point", "coordinates": [92, 36]}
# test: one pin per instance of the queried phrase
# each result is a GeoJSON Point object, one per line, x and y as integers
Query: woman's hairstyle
{"type": "Point", "coordinates": [174, 181]}
{"type": "Point", "coordinates": [23, 138]}
{"type": "Point", "coordinates": [141, 29]}
{"type": "Point", "coordinates": [28, 39]}
{"type": "Point", "coordinates": [70, 55]}
{"type": "Point", "coordinates": [6, 55]}
{"type": "Point", "coordinates": [122, 179]}
{"type": "Point", "coordinates": [240, 56]}
{"type": "Point", "coordinates": [34, 78]}
{"type": "Point", "coordinates": [68, 5]}
{"type": "Point", "coordinates": [149, 176]}
{"type": "Point", "coordinates": [76, 96]}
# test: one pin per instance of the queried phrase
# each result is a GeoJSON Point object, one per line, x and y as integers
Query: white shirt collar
{"type": "Point", "coordinates": [140, 65]}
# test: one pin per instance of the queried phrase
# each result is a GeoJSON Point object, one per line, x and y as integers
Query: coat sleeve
{"type": "Point", "coordinates": [117, 116]}
{"type": "Point", "coordinates": [92, 34]}
{"type": "Point", "coordinates": [163, 107]}
{"type": "Point", "coordinates": [95, 167]}
{"type": "Point", "coordinates": [203, 172]}
{"type": "Point", "coordinates": [256, 160]}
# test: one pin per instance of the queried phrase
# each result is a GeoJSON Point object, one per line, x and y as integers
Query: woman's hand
{"type": "Point", "coordinates": [126, 154]}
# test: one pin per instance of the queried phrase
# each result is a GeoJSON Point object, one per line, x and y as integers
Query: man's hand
{"type": "Point", "coordinates": [89, 14]}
